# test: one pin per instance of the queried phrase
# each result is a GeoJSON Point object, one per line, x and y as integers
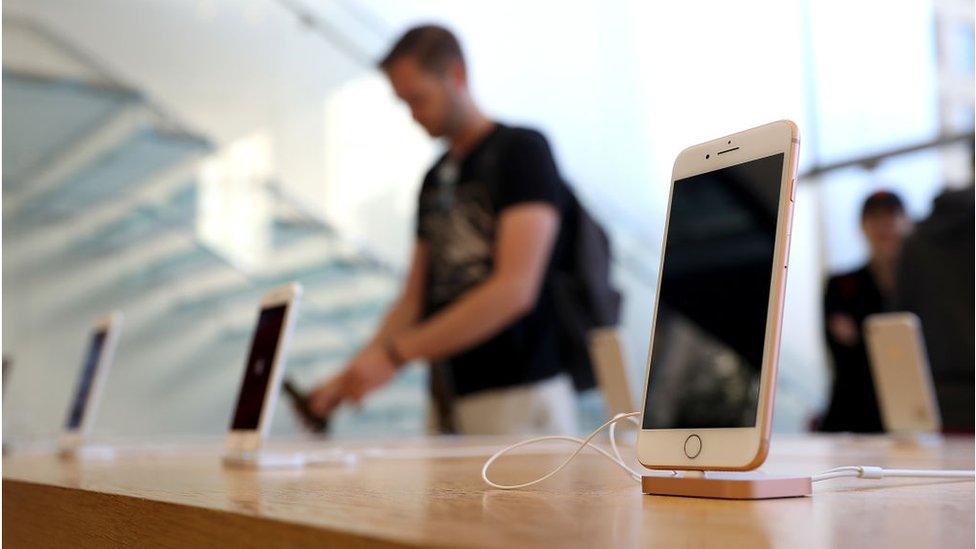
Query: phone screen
{"type": "Point", "coordinates": [257, 374]}
{"type": "Point", "coordinates": [76, 414]}
{"type": "Point", "coordinates": [713, 300]}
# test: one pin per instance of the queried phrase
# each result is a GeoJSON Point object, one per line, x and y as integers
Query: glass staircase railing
{"type": "Point", "coordinates": [101, 209]}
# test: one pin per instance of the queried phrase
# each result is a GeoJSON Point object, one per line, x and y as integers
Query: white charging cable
{"type": "Point", "coordinates": [856, 471]}
{"type": "Point", "coordinates": [583, 443]}
{"type": "Point", "coordinates": [871, 472]}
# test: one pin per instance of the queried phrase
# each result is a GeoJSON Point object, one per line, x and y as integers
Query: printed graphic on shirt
{"type": "Point", "coordinates": [459, 227]}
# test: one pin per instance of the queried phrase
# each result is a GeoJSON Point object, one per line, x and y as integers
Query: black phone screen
{"type": "Point", "coordinates": [257, 373]}
{"type": "Point", "coordinates": [76, 414]}
{"type": "Point", "coordinates": [713, 301]}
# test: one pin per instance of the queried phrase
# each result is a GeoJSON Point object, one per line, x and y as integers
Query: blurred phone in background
{"type": "Point", "coordinates": [902, 377]}
{"type": "Point", "coordinates": [606, 350]}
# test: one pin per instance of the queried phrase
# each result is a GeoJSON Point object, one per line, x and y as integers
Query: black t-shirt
{"type": "Point", "coordinates": [459, 207]}
{"type": "Point", "coordinates": [853, 403]}
{"type": "Point", "coordinates": [935, 281]}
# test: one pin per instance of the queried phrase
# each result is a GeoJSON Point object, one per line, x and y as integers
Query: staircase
{"type": "Point", "coordinates": [101, 200]}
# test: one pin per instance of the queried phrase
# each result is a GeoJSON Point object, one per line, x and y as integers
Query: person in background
{"type": "Point", "coordinates": [935, 281]}
{"type": "Point", "coordinates": [852, 297]}
{"type": "Point", "coordinates": [478, 300]}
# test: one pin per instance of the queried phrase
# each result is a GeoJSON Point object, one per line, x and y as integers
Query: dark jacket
{"type": "Point", "coordinates": [935, 281]}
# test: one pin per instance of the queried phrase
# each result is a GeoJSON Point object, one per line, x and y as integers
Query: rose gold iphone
{"type": "Point", "coordinates": [711, 369]}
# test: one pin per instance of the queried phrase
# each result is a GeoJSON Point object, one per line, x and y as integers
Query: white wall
{"type": "Point", "coordinates": [225, 68]}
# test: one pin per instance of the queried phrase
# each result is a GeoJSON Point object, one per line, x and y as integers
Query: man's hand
{"type": "Point", "coordinates": [326, 397]}
{"type": "Point", "coordinates": [844, 329]}
{"type": "Point", "coordinates": [367, 371]}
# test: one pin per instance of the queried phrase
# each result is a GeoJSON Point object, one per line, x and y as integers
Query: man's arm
{"type": "Point", "coordinates": [527, 227]}
{"type": "Point", "coordinates": [842, 330]}
{"type": "Point", "coordinates": [526, 235]}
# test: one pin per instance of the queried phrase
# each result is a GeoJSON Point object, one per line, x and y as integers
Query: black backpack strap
{"type": "Point", "coordinates": [489, 168]}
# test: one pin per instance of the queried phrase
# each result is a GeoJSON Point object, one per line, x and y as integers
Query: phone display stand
{"type": "Point", "coordinates": [87, 452]}
{"type": "Point", "coordinates": [727, 485]}
{"type": "Point", "coordinates": [265, 460]}
{"type": "Point", "coordinates": [916, 439]}
{"type": "Point", "coordinates": [262, 459]}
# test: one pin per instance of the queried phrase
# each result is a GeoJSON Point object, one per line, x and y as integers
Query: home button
{"type": "Point", "coordinates": [693, 446]}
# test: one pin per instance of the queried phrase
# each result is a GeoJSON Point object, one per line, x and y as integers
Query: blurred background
{"type": "Point", "coordinates": [175, 158]}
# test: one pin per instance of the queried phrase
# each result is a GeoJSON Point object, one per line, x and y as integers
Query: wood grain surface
{"type": "Point", "coordinates": [425, 497]}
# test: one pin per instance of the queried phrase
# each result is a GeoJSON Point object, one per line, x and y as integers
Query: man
{"type": "Point", "coordinates": [852, 297]}
{"type": "Point", "coordinates": [935, 281]}
{"type": "Point", "coordinates": [478, 298]}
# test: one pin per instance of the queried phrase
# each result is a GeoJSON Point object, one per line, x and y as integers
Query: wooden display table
{"type": "Point", "coordinates": [428, 498]}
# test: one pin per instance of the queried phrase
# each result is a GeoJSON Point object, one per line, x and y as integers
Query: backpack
{"type": "Point", "coordinates": [584, 297]}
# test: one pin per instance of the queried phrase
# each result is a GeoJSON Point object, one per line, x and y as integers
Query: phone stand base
{"type": "Point", "coordinates": [265, 460]}
{"type": "Point", "coordinates": [917, 439]}
{"type": "Point", "coordinates": [288, 460]}
{"type": "Point", "coordinates": [728, 485]}
{"type": "Point", "coordinates": [87, 453]}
